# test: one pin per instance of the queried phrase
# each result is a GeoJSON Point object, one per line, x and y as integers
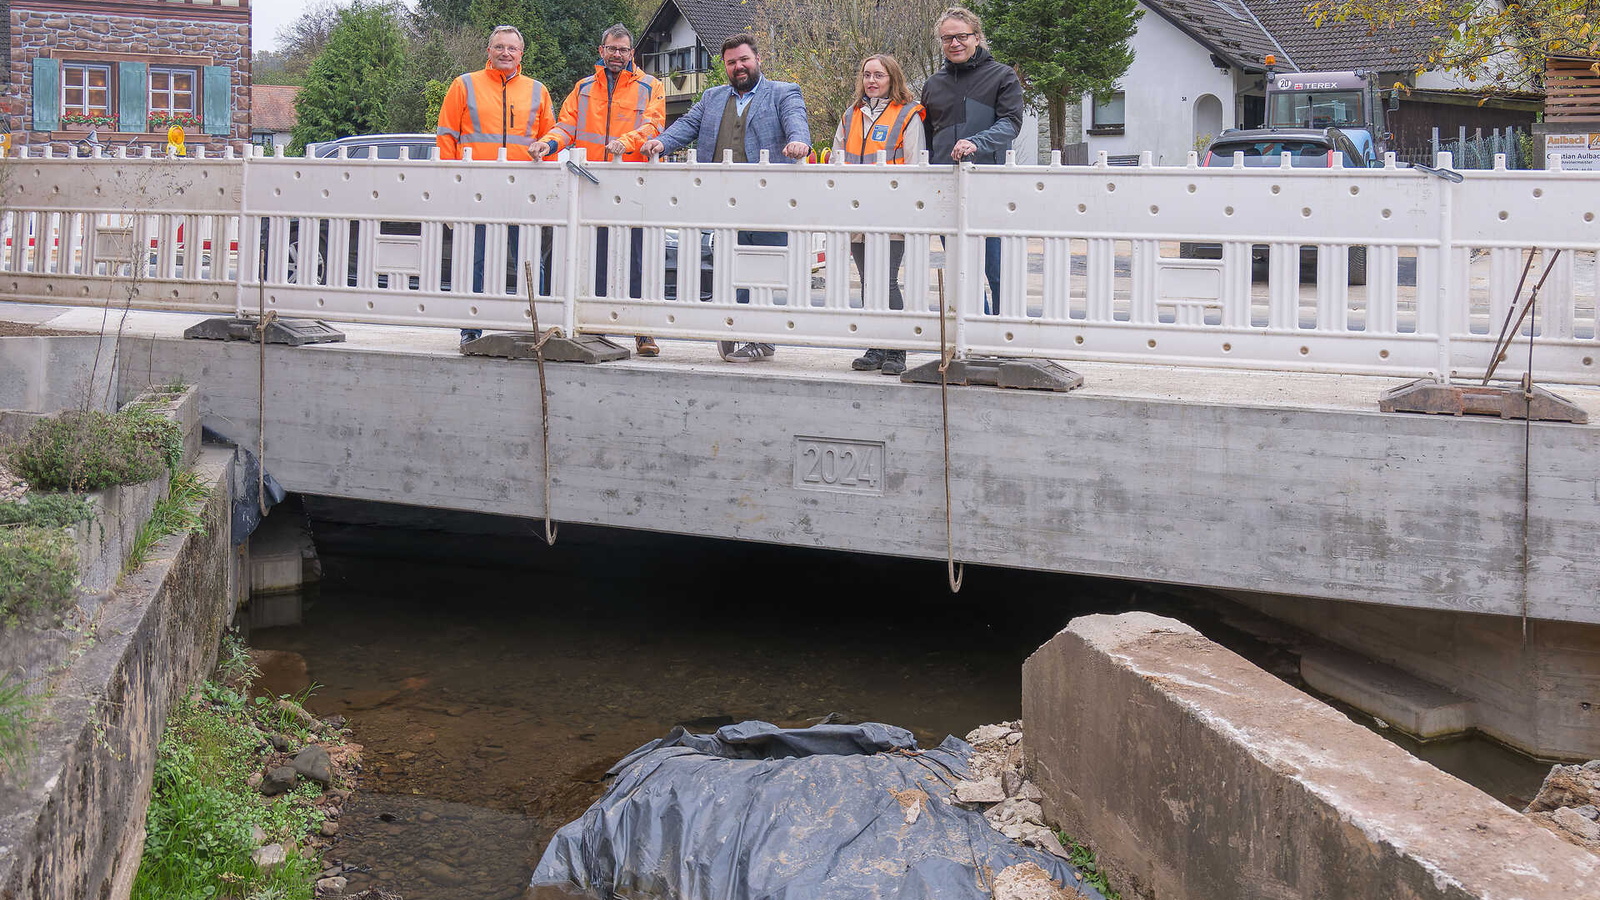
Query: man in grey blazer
{"type": "Point", "coordinates": [747, 115]}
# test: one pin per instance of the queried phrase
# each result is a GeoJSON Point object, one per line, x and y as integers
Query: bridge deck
{"type": "Point", "coordinates": [1271, 482]}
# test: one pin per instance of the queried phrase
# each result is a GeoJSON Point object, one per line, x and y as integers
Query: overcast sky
{"type": "Point", "coordinates": [267, 16]}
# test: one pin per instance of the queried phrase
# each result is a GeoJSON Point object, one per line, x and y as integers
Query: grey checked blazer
{"type": "Point", "coordinates": [776, 116]}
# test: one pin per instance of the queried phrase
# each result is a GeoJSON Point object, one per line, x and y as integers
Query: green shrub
{"type": "Point", "coordinates": [150, 427]}
{"type": "Point", "coordinates": [16, 717]}
{"type": "Point", "coordinates": [86, 450]}
{"type": "Point", "coordinates": [47, 510]}
{"type": "Point", "coordinates": [38, 571]}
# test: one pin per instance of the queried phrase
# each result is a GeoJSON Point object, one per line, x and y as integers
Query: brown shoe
{"type": "Point", "coordinates": [646, 347]}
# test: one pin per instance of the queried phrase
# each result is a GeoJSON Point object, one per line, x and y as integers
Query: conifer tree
{"type": "Point", "coordinates": [350, 84]}
{"type": "Point", "coordinates": [1063, 49]}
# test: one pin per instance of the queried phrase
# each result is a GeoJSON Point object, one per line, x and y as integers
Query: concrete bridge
{"type": "Point", "coordinates": [1227, 434]}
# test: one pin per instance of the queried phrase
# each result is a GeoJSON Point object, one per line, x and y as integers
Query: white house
{"type": "Point", "coordinates": [1198, 68]}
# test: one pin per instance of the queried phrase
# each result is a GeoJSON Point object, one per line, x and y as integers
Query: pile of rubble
{"type": "Point", "coordinates": [1010, 800]}
{"type": "Point", "coordinates": [1568, 803]}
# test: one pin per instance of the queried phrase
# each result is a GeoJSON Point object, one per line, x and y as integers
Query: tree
{"type": "Point", "coordinates": [351, 82]}
{"type": "Point", "coordinates": [818, 44]}
{"type": "Point", "coordinates": [576, 25]}
{"type": "Point", "coordinates": [1063, 49]}
{"type": "Point", "coordinates": [540, 56]}
{"type": "Point", "coordinates": [302, 40]}
{"type": "Point", "coordinates": [449, 14]}
{"type": "Point", "coordinates": [436, 56]}
{"type": "Point", "coordinates": [1502, 45]}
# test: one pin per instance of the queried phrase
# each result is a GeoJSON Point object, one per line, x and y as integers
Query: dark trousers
{"type": "Point", "coordinates": [897, 253]}
{"type": "Point", "coordinates": [480, 238]}
{"type": "Point", "coordinates": [602, 239]}
{"type": "Point", "coordinates": [991, 272]}
{"type": "Point", "coordinates": [759, 239]}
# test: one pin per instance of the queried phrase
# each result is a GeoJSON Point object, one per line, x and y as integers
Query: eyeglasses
{"type": "Point", "coordinates": [619, 51]}
{"type": "Point", "coordinates": [961, 38]}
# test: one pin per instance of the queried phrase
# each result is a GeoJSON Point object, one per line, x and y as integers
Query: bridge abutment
{"type": "Point", "coordinates": [1536, 690]}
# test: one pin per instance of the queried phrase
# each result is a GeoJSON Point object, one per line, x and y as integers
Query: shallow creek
{"type": "Point", "coordinates": [493, 680]}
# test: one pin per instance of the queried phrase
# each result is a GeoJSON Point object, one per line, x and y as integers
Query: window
{"type": "Point", "coordinates": [85, 89]}
{"type": "Point", "coordinates": [679, 60]}
{"type": "Point", "coordinates": [172, 90]}
{"type": "Point", "coordinates": [1110, 116]}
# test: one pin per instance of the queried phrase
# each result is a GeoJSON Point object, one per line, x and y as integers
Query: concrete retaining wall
{"type": "Point", "coordinates": [73, 824]}
{"type": "Point", "coordinates": [1197, 776]}
{"type": "Point", "coordinates": [54, 372]}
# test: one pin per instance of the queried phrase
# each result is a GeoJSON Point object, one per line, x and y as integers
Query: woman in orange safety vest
{"type": "Point", "coordinates": [883, 118]}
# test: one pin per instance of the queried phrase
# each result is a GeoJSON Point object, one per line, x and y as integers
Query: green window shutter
{"type": "Point", "coordinates": [218, 93]}
{"type": "Point", "coordinates": [133, 96]}
{"type": "Point", "coordinates": [46, 94]}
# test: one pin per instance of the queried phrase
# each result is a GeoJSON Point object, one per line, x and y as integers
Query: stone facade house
{"type": "Point", "coordinates": [127, 69]}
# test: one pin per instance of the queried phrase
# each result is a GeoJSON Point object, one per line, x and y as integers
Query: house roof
{"type": "Point", "coordinates": [1228, 28]}
{"type": "Point", "coordinates": [1340, 46]}
{"type": "Point", "coordinates": [713, 20]}
{"type": "Point", "coordinates": [272, 107]}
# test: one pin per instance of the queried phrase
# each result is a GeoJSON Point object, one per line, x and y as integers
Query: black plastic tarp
{"type": "Point", "coordinates": [758, 812]}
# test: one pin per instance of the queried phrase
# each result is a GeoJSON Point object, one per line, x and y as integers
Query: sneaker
{"type": "Point", "coordinates": [868, 361]}
{"type": "Point", "coordinates": [725, 349]}
{"type": "Point", "coordinates": [470, 334]}
{"type": "Point", "coordinates": [645, 346]}
{"type": "Point", "coordinates": [894, 362]}
{"type": "Point", "coordinates": [751, 352]}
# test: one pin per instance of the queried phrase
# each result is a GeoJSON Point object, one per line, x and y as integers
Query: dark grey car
{"type": "Point", "coordinates": [1314, 148]}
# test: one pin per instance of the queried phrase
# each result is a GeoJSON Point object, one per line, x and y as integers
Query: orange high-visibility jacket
{"type": "Point", "coordinates": [861, 145]}
{"type": "Point", "coordinates": [487, 110]}
{"type": "Point", "coordinates": [635, 112]}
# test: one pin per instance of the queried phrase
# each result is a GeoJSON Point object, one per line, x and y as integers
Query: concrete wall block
{"type": "Point", "coordinates": [74, 816]}
{"type": "Point", "coordinates": [105, 541]}
{"type": "Point", "coordinates": [48, 373]}
{"type": "Point", "coordinates": [1196, 775]}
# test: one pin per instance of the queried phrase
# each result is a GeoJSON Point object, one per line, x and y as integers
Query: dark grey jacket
{"type": "Point", "coordinates": [980, 100]}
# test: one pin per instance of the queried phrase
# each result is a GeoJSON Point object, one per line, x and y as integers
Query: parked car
{"type": "Point", "coordinates": [1315, 148]}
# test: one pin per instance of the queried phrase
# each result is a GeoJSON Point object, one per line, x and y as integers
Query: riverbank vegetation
{"type": "Point", "coordinates": [61, 457]}
{"type": "Point", "coordinates": [212, 832]}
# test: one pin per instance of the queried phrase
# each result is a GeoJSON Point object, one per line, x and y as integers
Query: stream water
{"type": "Point", "coordinates": [493, 680]}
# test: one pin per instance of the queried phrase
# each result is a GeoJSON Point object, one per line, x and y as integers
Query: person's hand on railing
{"type": "Point", "coordinates": [797, 150]}
{"type": "Point", "coordinates": [652, 149]}
{"type": "Point", "coordinates": [616, 149]}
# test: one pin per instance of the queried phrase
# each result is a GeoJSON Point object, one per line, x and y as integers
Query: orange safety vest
{"type": "Point", "coordinates": [635, 112]}
{"type": "Point", "coordinates": [487, 110]}
{"type": "Point", "coordinates": [888, 133]}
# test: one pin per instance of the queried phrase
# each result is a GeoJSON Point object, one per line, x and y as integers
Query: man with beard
{"type": "Point", "coordinates": [747, 115]}
{"type": "Point", "coordinates": [611, 113]}
{"type": "Point", "coordinates": [974, 108]}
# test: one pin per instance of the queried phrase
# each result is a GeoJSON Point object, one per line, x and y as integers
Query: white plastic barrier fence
{"type": "Point", "coordinates": [1383, 271]}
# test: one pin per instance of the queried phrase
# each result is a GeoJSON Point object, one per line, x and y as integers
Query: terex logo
{"type": "Point", "coordinates": [1316, 86]}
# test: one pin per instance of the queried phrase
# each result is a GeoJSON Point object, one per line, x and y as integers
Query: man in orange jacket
{"type": "Point", "coordinates": [611, 113]}
{"type": "Point", "coordinates": [496, 108]}
{"type": "Point", "coordinates": [489, 111]}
